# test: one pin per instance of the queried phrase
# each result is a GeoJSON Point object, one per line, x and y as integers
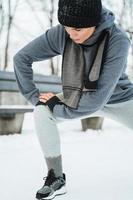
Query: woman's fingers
{"type": "Point", "coordinates": [43, 100]}
{"type": "Point", "coordinates": [45, 96]}
{"type": "Point", "coordinates": [49, 94]}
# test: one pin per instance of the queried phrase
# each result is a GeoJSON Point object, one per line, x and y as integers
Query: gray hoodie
{"type": "Point", "coordinates": [113, 85]}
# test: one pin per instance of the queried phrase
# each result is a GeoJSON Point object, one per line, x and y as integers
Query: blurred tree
{"type": "Point", "coordinates": [125, 21]}
{"type": "Point", "coordinates": [49, 8]}
{"type": "Point", "coordinates": [1, 22]}
{"type": "Point", "coordinates": [44, 13]}
{"type": "Point", "coordinates": [124, 16]}
{"type": "Point", "coordinates": [7, 20]}
{"type": "Point", "coordinates": [1, 16]}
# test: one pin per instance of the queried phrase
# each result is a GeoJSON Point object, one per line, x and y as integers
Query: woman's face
{"type": "Point", "coordinates": [79, 35]}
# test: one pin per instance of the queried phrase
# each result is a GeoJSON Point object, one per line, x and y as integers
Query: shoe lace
{"type": "Point", "coordinates": [49, 179]}
{"type": "Point", "coordinates": [44, 178]}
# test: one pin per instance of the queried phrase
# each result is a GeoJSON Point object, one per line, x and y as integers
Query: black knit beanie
{"type": "Point", "coordinates": [79, 13]}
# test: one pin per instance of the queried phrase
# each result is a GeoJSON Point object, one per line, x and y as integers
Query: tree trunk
{"type": "Point", "coordinates": [8, 34]}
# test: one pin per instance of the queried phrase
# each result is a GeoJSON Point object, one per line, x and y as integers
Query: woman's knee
{"type": "Point", "coordinates": [38, 110]}
{"type": "Point", "coordinates": [42, 113]}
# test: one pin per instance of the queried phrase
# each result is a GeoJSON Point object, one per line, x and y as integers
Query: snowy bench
{"type": "Point", "coordinates": [44, 83]}
{"type": "Point", "coordinates": [13, 105]}
{"type": "Point", "coordinates": [8, 111]}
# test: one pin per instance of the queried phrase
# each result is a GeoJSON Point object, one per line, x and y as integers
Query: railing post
{"type": "Point", "coordinates": [10, 124]}
{"type": "Point", "coordinates": [92, 123]}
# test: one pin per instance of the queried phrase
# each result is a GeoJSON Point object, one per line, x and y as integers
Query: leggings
{"type": "Point", "coordinates": [48, 134]}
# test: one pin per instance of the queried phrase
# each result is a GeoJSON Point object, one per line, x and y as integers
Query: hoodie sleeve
{"type": "Point", "coordinates": [44, 47]}
{"type": "Point", "coordinates": [114, 65]}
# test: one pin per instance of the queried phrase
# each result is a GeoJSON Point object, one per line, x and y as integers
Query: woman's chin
{"type": "Point", "coordinates": [77, 41]}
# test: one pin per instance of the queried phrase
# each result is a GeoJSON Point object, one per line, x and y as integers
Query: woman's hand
{"type": "Point", "coordinates": [45, 96]}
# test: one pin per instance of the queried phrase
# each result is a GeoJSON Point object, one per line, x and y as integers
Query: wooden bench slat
{"type": "Point", "coordinates": [44, 87]}
{"type": "Point", "coordinates": [11, 109]}
{"type": "Point", "coordinates": [44, 83]}
{"type": "Point", "coordinates": [38, 78]}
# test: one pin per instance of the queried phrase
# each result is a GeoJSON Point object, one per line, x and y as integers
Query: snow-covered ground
{"type": "Point", "coordinates": [98, 164]}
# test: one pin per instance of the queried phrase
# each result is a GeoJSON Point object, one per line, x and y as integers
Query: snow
{"type": "Point", "coordinates": [98, 164]}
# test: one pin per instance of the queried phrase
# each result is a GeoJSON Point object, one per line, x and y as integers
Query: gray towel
{"type": "Point", "coordinates": [73, 69]}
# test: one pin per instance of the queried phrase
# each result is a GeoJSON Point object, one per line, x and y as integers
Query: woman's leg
{"type": "Point", "coordinates": [121, 112]}
{"type": "Point", "coordinates": [48, 135]}
{"type": "Point", "coordinates": [49, 138]}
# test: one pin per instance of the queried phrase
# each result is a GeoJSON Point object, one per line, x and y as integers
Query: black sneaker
{"type": "Point", "coordinates": [52, 187]}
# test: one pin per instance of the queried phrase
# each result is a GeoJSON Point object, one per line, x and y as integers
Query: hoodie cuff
{"type": "Point", "coordinates": [51, 102]}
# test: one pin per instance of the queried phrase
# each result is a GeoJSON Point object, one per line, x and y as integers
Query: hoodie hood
{"type": "Point", "coordinates": [107, 20]}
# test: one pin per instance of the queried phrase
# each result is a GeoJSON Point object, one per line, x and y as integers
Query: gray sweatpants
{"type": "Point", "coordinates": [48, 134]}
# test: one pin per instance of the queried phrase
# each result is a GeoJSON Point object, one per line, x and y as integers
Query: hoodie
{"type": "Point", "coordinates": [113, 85]}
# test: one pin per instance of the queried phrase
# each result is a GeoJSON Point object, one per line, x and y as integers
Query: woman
{"type": "Point", "coordinates": [95, 52]}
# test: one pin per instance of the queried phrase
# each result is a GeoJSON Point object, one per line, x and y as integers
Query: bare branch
{"type": "Point", "coordinates": [36, 16]}
{"type": "Point", "coordinates": [23, 32]}
{"type": "Point", "coordinates": [15, 7]}
{"type": "Point", "coordinates": [1, 17]}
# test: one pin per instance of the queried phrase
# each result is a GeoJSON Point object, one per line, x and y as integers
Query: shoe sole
{"type": "Point", "coordinates": [56, 193]}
